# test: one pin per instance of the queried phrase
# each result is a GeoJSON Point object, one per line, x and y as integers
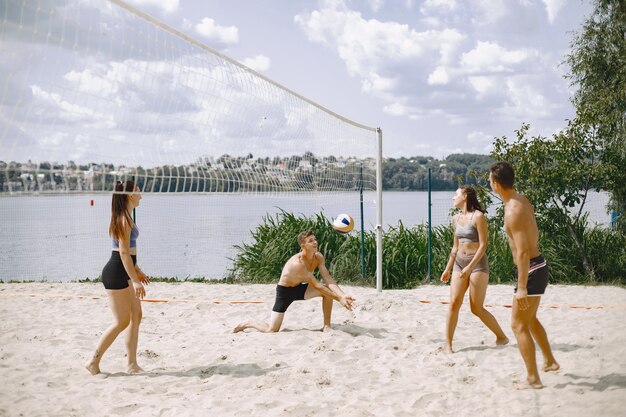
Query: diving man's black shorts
{"type": "Point", "coordinates": [287, 295]}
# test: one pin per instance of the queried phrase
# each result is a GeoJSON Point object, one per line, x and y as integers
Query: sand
{"type": "Point", "coordinates": [387, 361]}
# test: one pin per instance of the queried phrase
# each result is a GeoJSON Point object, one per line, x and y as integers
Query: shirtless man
{"type": "Point", "coordinates": [297, 282]}
{"type": "Point", "coordinates": [532, 273]}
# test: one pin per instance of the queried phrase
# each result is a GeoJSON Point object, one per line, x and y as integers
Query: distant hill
{"type": "Point", "coordinates": [411, 174]}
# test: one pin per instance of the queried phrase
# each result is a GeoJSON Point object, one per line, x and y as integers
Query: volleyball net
{"type": "Point", "coordinates": [94, 92]}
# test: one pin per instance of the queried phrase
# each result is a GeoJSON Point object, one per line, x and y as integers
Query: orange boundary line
{"type": "Point", "coordinates": [147, 300]}
{"type": "Point", "coordinates": [509, 305]}
{"type": "Point", "coordinates": [183, 300]}
{"type": "Point", "coordinates": [151, 300]}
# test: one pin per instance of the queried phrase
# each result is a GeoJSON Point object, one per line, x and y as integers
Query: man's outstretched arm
{"type": "Point", "coordinates": [345, 300]}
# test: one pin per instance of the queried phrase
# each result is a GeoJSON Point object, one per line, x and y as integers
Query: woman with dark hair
{"type": "Point", "coordinates": [468, 263]}
{"type": "Point", "coordinates": [123, 279]}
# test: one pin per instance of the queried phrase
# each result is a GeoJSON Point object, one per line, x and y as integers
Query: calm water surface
{"type": "Point", "coordinates": [63, 238]}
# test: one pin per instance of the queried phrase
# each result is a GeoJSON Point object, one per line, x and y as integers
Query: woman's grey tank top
{"type": "Point", "coordinates": [468, 233]}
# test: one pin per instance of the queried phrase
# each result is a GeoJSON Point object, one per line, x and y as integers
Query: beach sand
{"type": "Point", "coordinates": [387, 361]}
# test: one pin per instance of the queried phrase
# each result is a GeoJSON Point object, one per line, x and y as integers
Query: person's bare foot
{"type": "Point", "coordinates": [134, 369]}
{"type": "Point", "coordinates": [239, 328]}
{"type": "Point", "coordinates": [327, 328]}
{"type": "Point", "coordinates": [502, 342]}
{"type": "Point", "coordinates": [93, 368]}
{"type": "Point", "coordinates": [551, 367]}
{"type": "Point", "coordinates": [528, 384]}
{"type": "Point", "coordinates": [448, 348]}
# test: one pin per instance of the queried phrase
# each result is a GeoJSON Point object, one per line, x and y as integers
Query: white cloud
{"type": "Point", "coordinates": [449, 43]}
{"type": "Point", "coordinates": [489, 57]}
{"type": "Point", "coordinates": [52, 140]}
{"type": "Point", "coordinates": [483, 85]}
{"type": "Point", "coordinates": [371, 48]}
{"type": "Point", "coordinates": [463, 69]}
{"type": "Point", "coordinates": [553, 7]}
{"type": "Point", "coordinates": [377, 84]}
{"type": "Point", "coordinates": [258, 63]}
{"type": "Point", "coordinates": [489, 11]}
{"type": "Point", "coordinates": [88, 81]}
{"type": "Point", "coordinates": [187, 24]}
{"type": "Point", "coordinates": [431, 22]}
{"type": "Point", "coordinates": [376, 5]}
{"type": "Point", "coordinates": [439, 76]}
{"type": "Point", "coordinates": [413, 113]}
{"type": "Point", "coordinates": [480, 144]}
{"type": "Point", "coordinates": [212, 31]}
{"type": "Point", "coordinates": [149, 116]}
{"type": "Point", "coordinates": [396, 109]}
{"type": "Point", "coordinates": [362, 43]}
{"type": "Point", "coordinates": [166, 6]}
{"type": "Point", "coordinates": [479, 137]}
{"type": "Point", "coordinates": [524, 101]}
{"type": "Point", "coordinates": [437, 73]}
{"type": "Point", "coordinates": [438, 6]}
{"type": "Point", "coordinates": [55, 105]}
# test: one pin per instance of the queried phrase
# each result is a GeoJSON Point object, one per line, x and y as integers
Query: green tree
{"type": "Point", "coordinates": [598, 70]}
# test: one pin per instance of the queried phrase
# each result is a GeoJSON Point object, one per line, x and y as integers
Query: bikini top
{"type": "Point", "coordinates": [467, 233]}
{"type": "Point", "coordinates": [134, 234]}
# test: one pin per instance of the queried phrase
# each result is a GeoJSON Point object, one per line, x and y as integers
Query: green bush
{"type": "Point", "coordinates": [405, 253]}
{"type": "Point", "coordinates": [501, 266]}
{"type": "Point", "coordinates": [274, 242]}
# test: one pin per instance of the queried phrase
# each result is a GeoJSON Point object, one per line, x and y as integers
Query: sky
{"type": "Point", "coordinates": [437, 76]}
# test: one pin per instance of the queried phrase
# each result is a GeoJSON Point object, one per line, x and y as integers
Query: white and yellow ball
{"type": "Point", "coordinates": [344, 223]}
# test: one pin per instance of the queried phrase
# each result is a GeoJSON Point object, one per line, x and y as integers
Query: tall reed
{"type": "Point", "coordinates": [405, 253]}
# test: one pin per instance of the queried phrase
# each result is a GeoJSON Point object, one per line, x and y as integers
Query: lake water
{"type": "Point", "coordinates": [65, 237]}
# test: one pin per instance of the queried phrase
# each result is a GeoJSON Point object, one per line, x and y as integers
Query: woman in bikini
{"type": "Point", "coordinates": [122, 278]}
{"type": "Point", "coordinates": [468, 264]}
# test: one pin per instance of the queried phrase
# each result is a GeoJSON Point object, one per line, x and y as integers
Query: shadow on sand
{"type": "Point", "coordinates": [242, 370]}
{"type": "Point", "coordinates": [350, 328]}
{"type": "Point", "coordinates": [479, 348]}
{"type": "Point", "coordinates": [595, 384]}
{"type": "Point", "coordinates": [356, 330]}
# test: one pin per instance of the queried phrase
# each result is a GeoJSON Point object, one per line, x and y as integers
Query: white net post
{"type": "Point", "coordinates": [379, 222]}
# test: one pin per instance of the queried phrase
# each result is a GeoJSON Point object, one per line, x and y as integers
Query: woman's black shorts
{"type": "Point", "coordinates": [114, 275]}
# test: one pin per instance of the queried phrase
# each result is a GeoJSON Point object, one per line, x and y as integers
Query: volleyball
{"type": "Point", "coordinates": [344, 223]}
